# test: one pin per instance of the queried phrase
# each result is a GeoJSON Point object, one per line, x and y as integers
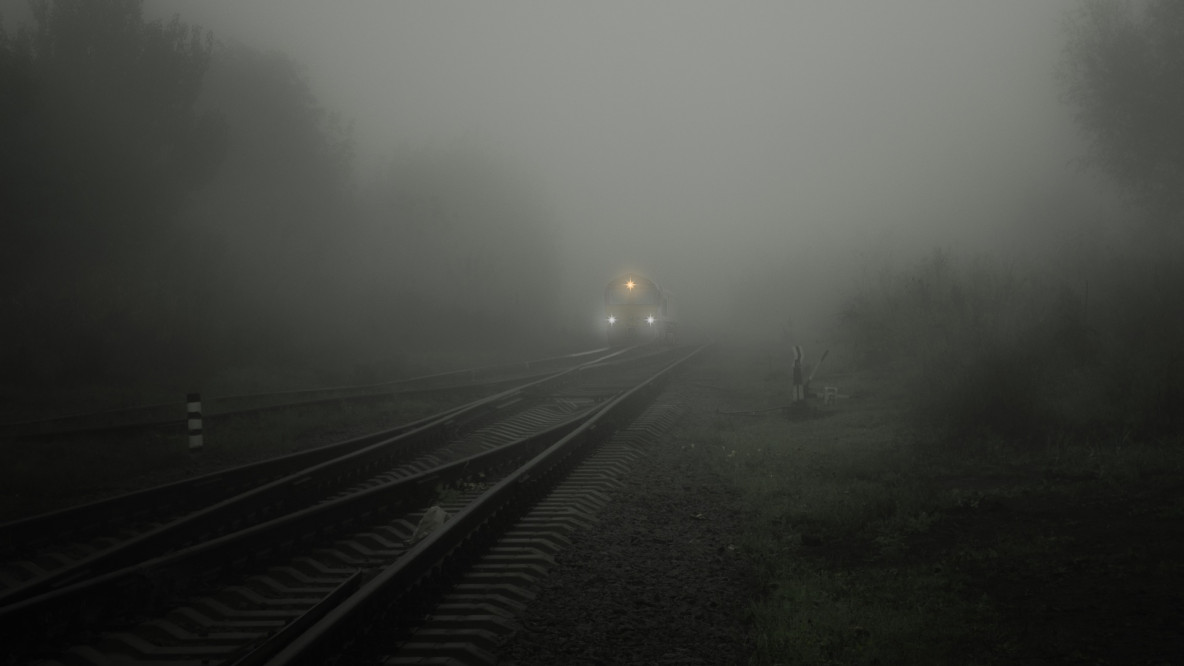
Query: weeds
{"type": "Point", "coordinates": [985, 351]}
{"type": "Point", "coordinates": [877, 542]}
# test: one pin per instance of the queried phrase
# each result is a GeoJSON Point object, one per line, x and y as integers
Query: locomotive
{"type": "Point", "coordinates": [637, 310]}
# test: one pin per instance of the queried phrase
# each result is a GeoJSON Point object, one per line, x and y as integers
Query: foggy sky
{"type": "Point", "coordinates": [693, 140]}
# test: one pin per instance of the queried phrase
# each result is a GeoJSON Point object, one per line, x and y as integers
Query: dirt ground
{"type": "Point", "coordinates": [1102, 582]}
{"type": "Point", "coordinates": [659, 580]}
{"type": "Point", "coordinates": [1040, 563]}
{"type": "Point", "coordinates": [1070, 557]}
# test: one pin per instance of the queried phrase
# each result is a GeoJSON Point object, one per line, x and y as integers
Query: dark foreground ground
{"type": "Point", "coordinates": [660, 580]}
{"type": "Point", "coordinates": [837, 536]}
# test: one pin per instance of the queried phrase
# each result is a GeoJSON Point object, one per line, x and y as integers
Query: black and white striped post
{"type": "Point", "coordinates": [195, 439]}
{"type": "Point", "coordinates": [799, 391]}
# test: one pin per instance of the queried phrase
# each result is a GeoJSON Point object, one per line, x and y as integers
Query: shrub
{"type": "Point", "coordinates": [988, 351]}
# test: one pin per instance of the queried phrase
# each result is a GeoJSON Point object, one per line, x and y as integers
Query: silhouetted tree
{"type": "Point", "coordinates": [1124, 74]}
{"type": "Point", "coordinates": [114, 139]}
{"type": "Point", "coordinates": [458, 239]}
{"type": "Point", "coordinates": [280, 204]}
{"type": "Point", "coordinates": [102, 145]}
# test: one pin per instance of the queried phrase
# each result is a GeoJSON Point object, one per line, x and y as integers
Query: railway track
{"type": "Point", "coordinates": [44, 552]}
{"type": "Point", "coordinates": [163, 417]}
{"type": "Point", "coordinates": [253, 575]}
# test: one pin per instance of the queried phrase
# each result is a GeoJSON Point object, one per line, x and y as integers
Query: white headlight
{"type": "Point", "coordinates": [650, 319]}
{"type": "Point", "coordinates": [612, 320]}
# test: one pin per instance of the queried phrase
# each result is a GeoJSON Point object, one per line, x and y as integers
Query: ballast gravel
{"type": "Point", "coordinates": [659, 579]}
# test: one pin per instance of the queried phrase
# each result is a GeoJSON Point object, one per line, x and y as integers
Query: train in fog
{"type": "Point", "coordinates": [637, 310]}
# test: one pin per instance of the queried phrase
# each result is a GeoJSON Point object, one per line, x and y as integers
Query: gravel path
{"type": "Point", "coordinates": [659, 579]}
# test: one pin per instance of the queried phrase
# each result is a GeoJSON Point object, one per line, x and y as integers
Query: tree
{"type": "Point", "coordinates": [287, 173]}
{"type": "Point", "coordinates": [102, 144]}
{"type": "Point", "coordinates": [280, 204]}
{"type": "Point", "coordinates": [115, 134]}
{"type": "Point", "coordinates": [1124, 74]}
{"type": "Point", "coordinates": [459, 237]}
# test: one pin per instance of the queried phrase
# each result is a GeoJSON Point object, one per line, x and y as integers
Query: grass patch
{"type": "Point", "coordinates": [877, 544]}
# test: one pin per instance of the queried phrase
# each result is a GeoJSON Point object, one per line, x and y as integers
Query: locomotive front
{"type": "Point", "coordinates": [636, 310]}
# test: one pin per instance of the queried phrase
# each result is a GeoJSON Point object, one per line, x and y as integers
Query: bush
{"type": "Point", "coordinates": [986, 351]}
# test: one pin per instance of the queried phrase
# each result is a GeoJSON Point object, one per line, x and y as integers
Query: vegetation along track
{"type": "Point", "coordinates": [316, 540]}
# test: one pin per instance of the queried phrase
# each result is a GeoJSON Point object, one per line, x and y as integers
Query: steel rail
{"type": "Point", "coordinates": [94, 517]}
{"type": "Point", "coordinates": [294, 490]}
{"type": "Point", "coordinates": [173, 413]}
{"type": "Point", "coordinates": [401, 591]}
{"type": "Point", "coordinates": [150, 585]}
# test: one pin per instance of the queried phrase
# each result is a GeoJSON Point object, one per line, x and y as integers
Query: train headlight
{"type": "Point", "coordinates": [650, 319]}
{"type": "Point", "coordinates": [611, 320]}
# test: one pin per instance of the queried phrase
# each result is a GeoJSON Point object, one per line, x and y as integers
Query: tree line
{"type": "Point", "coordinates": [1091, 353]}
{"type": "Point", "coordinates": [175, 209]}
